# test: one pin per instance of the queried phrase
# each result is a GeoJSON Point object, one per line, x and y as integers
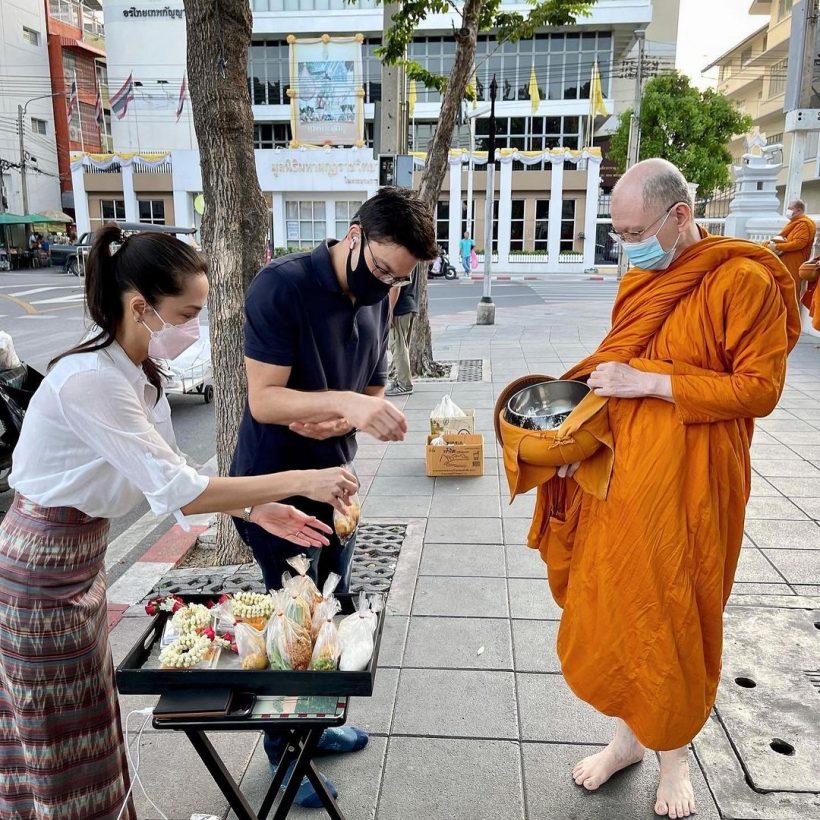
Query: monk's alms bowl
{"type": "Point", "coordinates": [544, 406]}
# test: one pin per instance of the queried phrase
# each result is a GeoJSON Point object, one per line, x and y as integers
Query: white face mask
{"type": "Point", "coordinates": [171, 340]}
{"type": "Point", "coordinates": [789, 213]}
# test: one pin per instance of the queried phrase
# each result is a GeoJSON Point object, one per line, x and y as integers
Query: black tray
{"type": "Point", "coordinates": [133, 679]}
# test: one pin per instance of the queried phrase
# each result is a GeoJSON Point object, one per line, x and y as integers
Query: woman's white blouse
{"type": "Point", "coordinates": [95, 438]}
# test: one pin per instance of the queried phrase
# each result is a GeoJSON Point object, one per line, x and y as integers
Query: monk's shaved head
{"type": "Point", "coordinates": [797, 205]}
{"type": "Point", "coordinates": [658, 183]}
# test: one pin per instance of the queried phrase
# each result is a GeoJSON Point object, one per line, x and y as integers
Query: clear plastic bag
{"type": "Point", "coordinates": [288, 644]}
{"type": "Point", "coordinates": [294, 603]}
{"type": "Point", "coordinates": [251, 646]}
{"type": "Point", "coordinates": [328, 648]}
{"type": "Point", "coordinates": [304, 583]}
{"type": "Point", "coordinates": [327, 603]}
{"type": "Point", "coordinates": [447, 409]}
{"type": "Point", "coordinates": [345, 524]}
{"type": "Point", "coordinates": [356, 634]}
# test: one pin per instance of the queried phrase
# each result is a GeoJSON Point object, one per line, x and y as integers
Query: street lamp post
{"type": "Point", "coordinates": [21, 113]}
{"type": "Point", "coordinates": [485, 314]}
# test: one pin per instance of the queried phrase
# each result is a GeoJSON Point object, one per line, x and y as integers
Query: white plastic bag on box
{"type": "Point", "coordinates": [447, 409]}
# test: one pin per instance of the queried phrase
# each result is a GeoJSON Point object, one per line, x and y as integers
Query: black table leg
{"type": "Point", "coordinates": [227, 785]}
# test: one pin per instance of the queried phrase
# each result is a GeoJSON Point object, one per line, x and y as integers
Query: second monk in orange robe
{"type": "Point", "coordinates": [798, 240]}
{"type": "Point", "coordinates": [697, 350]}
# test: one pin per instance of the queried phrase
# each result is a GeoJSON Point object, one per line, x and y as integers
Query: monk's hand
{"type": "Point", "coordinates": [621, 381]}
{"type": "Point", "coordinates": [568, 470]}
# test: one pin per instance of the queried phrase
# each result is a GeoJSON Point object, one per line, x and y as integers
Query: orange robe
{"type": "Point", "coordinates": [796, 249]}
{"type": "Point", "coordinates": [643, 574]}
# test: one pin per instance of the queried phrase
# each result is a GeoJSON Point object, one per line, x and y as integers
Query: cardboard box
{"type": "Point", "coordinates": [457, 426]}
{"type": "Point", "coordinates": [463, 455]}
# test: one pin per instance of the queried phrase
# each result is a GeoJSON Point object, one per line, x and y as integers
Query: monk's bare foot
{"type": "Point", "coordinates": [675, 795]}
{"type": "Point", "coordinates": [624, 750]}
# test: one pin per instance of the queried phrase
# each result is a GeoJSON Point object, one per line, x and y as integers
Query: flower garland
{"type": "Point", "coordinates": [186, 652]}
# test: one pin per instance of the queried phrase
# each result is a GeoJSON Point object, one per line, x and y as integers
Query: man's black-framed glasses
{"type": "Point", "coordinates": [382, 274]}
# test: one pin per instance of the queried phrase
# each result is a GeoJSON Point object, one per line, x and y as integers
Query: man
{"type": "Point", "coordinates": [404, 309]}
{"type": "Point", "coordinates": [797, 240]}
{"type": "Point", "coordinates": [466, 246]}
{"type": "Point", "coordinates": [701, 329]}
{"type": "Point", "coordinates": [316, 360]}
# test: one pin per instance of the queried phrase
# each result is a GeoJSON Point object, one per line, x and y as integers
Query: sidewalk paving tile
{"type": "Point", "coordinates": [810, 506]}
{"type": "Point", "coordinates": [523, 562]}
{"type": "Point", "coordinates": [401, 486]}
{"type": "Point", "coordinates": [551, 712]}
{"type": "Point", "coordinates": [375, 714]}
{"type": "Point", "coordinates": [531, 599]}
{"type": "Point", "coordinates": [444, 779]}
{"type": "Point", "coordinates": [394, 638]}
{"type": "Point", "coordinates": [456, 703]}
{"type": "Point", "coordinates": [773, 507]}
{"type": "Point", "coordinates": [402, 467]}
{"type": "Point", "coordinates": [765, 452]}
{"type": "Point", "coordinates": [516, 530]}
{"type": "Point", "coordinates": [753, 566]}
{"type": "Point", "coordinates": [740, 588]}
{"type": "Point", "coordinates": [463, 531]}
{"type": "Point", "coordinates": [461, 486]}
{"type": "Point", "coordinates": [797, 566]}
{"type": "Point", "coordinates": [534, 646]}
{"type": "Point", "coordinates": [455, 643]}
{"type": "Point", "coordinates": [785, 468]}
{"type": "Point", "coordinates": [762, 487]}
{"type": "Point", "coordinates": [469, 506]}
{"type": "Point", "coordinates": [398, 507]}
{"type": "Point", "coordinates": [463, 560]}
{"type": "Point", "coordinates": [784, 534]}
{"type": "Point", "coordinates": [461, 597]}
{"type": "Point", "coordinates": [629, 795]}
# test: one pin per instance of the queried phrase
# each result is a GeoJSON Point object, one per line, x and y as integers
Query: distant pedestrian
{"type": "Point", "coordinates": [405, 307]}
{"type": "Point", "coordinates": [466, 250]}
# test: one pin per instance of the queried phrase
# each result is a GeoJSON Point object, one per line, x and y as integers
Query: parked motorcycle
{"type": "Point", "coordinates": [17, 386]}
{"type": "Point", "coordinates": [441, 267]}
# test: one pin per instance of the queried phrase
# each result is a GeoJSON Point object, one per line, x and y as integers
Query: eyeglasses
{"type": "Point", "coordinates": [635, 236]}
{"type": "Point", "coordinates": [384, 275]}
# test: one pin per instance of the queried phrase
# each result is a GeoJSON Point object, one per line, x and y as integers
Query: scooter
{"type": "Point", "coordinates": [17, 386]}
{"type": "Point", "coordinates": [441, 267]}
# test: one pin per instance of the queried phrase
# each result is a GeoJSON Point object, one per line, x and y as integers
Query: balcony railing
{"type": "Point", "coordinates": [75, 14]}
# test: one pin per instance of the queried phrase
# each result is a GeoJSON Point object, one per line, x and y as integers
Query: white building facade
{"type": "Point", "coordinates": [546, 214]}
{"type": "Point", "coordinates": [24, 76]}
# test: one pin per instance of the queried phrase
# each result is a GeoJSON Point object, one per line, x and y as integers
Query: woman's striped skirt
{"type": "Point", "coordinates": [62, 755]}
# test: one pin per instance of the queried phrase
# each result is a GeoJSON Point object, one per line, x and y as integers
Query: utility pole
{"type": "Point", "coordinates": [801, 73]}
{"type": "Point", "coordinates": [391, 119]}
{"type": "Point", "coordinates": [485, 314]}
{"type": "Point", "coordinates": [635, 120]}
{"type": "Point", "coordinates": [23, 180]}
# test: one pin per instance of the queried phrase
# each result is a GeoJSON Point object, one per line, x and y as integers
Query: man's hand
{"type": "Point", "coordinates": [374, 415]}
{"type": "Point", "coordinates": [321, 430]}
{"type": "Point", "coordinates": [568, 470]}
{"type": "Point", "coordinates": [621, 381]}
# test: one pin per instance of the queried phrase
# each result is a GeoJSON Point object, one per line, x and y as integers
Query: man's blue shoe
{"type": "Point", "coordinates": [339, 740]}
{"type": "Point", "coordinates": [306, 796]}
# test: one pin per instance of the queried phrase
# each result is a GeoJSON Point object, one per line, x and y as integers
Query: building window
{"type": "Point", "coordinates": [305, 223]}
{"type": "Point", "coordinates": [152, 211]}
{"type": "Point", "coordinates": [31, 36]}
{"type": "Point", "coordinates": [271, 135]}
{"type": "Point", "coordinates": [517, 225]}
{"type": "Point", "coordinates": [745, 56]}
{"type": "Point", "coordinates": [775, 139]}
{"type": "Point", "coordinates": [39, 126]}
{"type": "Point", "coordinates": [542, 211]}
{"type": "Point", "coordinates": [111, 210]}
{"type": "Point", "coordinates": [784, 9]}
{"type": "Point", "coordinates": [345, 211]}
{"type": "Point", "coordinates": [443, 224]}
{"type": "Point", "coordinates": [777, 77]}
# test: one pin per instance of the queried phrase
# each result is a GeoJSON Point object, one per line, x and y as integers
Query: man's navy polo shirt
{"type": "Point", "coordinates": [297, 316]}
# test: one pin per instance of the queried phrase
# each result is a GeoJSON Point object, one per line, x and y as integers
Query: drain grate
{"type": "Point", "coordinates": [377, 553]}
{"type": "Point", "coordinates": [374, 564]}
{"type": "Point", "coordinates": [460, 370]}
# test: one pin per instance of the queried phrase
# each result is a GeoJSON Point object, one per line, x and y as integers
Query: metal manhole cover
{"type": "Point", "coordinates": [460, 370]}
{"type": "Point", "coordinates": [374, 564]}
{"type": "Point", "coordinates": [767, 702]}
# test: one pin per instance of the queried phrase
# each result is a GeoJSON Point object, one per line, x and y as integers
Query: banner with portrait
{"type": "Point", "coordinates": [326, 91]}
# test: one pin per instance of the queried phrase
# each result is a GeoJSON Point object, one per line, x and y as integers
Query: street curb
{"type": "Point", "coordinates": [136, 582]}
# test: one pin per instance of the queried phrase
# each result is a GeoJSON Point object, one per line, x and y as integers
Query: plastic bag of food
{"type": "Point", "coordinates": [328, 648]}
{"type": "Point", "coordinates": [305, 584]}
{"type": "Point", "coordinates": [288, 644]}
{"type": "Point", "coordinates": [327, 602]}
{"type": "Point", "coordinates": [345, 524]}
{"type": "Point", "coordinates": [364, 612]}
{"type": "Point", "coordinates": [251, 646]}
{"type": "Point", "coordinates": [254, 608]}
{"type": "Point", "coordinates": [294, 604]}
{"type": "Point", "coordinates": [356, 634]}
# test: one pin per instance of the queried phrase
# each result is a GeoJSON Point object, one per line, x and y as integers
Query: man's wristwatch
{"type": "Point", "coordinates": [246, 514]}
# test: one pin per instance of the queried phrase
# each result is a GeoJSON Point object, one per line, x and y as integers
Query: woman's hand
{"type": "Point", "coordinates": [332, 486]}
{"type": "Point", "coordinates": [321, 430]}
{"type": "Point", "coordinates": [291, 524]}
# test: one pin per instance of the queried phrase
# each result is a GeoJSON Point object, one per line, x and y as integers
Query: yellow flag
{"type": "Point", "coordinates": [596, 96]}
{"type": "Point", "coordinates": [411, 99]}
{"type": "Point", "coordinates": [535, 97]}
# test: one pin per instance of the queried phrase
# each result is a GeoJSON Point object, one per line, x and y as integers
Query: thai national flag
{"type": "Point", "coordinates": [98, 109]}
{"type": "Point", "coordinates": [119, 102]}
{"type": "Point", "coordinates": [183, 90]}
{"type": "Point", "coordinates": [72, 99]}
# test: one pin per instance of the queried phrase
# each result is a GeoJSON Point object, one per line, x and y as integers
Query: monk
{"type": "Point", "coordinates": [701, 330]}
{"type": "Point", "coordinates": [797, 242]}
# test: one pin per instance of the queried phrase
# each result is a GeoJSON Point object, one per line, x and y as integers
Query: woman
{"type": "Point", "coordinates": [97, 438]}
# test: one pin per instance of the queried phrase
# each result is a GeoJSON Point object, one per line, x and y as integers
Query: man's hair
{"type": "Point", "coordinates": [397, 216]}
{"type": "Point", "coordinates": [799, 204]}
{"type": "Point", "coordinates": [664, 189]}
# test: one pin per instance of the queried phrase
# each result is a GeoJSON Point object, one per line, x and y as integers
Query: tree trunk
{"type": "Point", "coordinates": [422, 362]}
{"type": "Point", "coordinates": [234, 222]}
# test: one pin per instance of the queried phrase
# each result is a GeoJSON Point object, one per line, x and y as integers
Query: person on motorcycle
{"type": "Point", "coordinates": [96, 440]}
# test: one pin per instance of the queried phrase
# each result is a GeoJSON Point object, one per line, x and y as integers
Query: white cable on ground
{"type": "Point", "coordinates": [148, 711]}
